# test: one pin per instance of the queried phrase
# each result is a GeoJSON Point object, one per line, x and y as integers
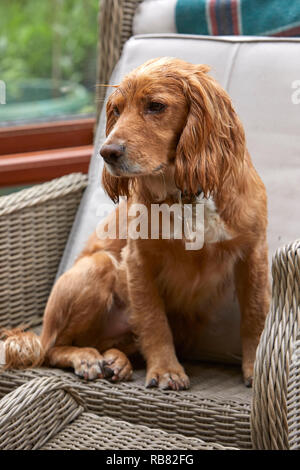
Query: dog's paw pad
{"type": "Point", "coordinates": [108, 372]}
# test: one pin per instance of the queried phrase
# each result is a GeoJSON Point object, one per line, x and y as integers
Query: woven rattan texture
{"type": "Point", "coordinates": [115, 27]}
{"type": "Point", "coordinates": [34, 227]}
{"type": "Point", "coordinates": [90, 432]}
{"type": "Point", "coordinates": [46, 413]}
{"type": "Point", "coordinates": [276, 406]}
{"type": "Point", "coordinates": [37, 410]}
{"type": "Point", "coordinates": [215, 409]}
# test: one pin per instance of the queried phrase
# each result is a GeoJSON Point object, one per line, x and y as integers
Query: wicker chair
{"type": "Point", "coordinates": [47, 414]}
{"type": "Point", "coordinates": [34, 227]}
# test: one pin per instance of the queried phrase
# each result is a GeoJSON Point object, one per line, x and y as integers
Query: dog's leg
{"type": "Point", "coordinates": [150, 323]}
{"type": "Point", "coordinates": [253, 290]}
{"type": "Point", "coordinates": [81, 311]}
{"type": "Point", "coordinates": [87, 363]}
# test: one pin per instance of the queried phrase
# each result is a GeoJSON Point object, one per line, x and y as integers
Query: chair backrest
{"type": "Point", "coordinates": [115, 27]}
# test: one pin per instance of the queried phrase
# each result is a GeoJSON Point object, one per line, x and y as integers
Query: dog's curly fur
{"type": "Point", "coordinates": [155, 290]}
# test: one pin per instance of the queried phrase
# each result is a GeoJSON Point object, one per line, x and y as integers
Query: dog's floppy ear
{"type": "Point", "coordinates": [114, 186]}
{"type": "Point", "coordinates": [212, 144]}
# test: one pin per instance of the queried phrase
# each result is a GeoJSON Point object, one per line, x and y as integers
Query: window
{"type": "Point", "coordinates": [48, 52]}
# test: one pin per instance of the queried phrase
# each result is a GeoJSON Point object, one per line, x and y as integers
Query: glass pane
{"type": "Point", "coordinates": [47, 60]}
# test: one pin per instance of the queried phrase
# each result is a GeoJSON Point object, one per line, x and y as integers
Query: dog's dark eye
{"type": "Point", "coordinates": [116, 111]}
{"type": "Point", "coordinates": [154, 107]}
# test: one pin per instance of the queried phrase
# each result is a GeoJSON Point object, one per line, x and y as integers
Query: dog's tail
{"type": "Point", "coordinates": [20, 349]}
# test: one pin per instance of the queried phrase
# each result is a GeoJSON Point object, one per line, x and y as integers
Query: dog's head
{"type": "Point", "coordinates": [169, 117]}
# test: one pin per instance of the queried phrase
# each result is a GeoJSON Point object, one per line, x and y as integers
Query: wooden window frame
{"type": "Point", "coordinates": [35, 153]}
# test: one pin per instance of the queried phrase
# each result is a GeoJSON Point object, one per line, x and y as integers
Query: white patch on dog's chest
{"type": "Point", "coordinates": [214, 227]}
{"type": "Point", "coordinates": [202, 222]}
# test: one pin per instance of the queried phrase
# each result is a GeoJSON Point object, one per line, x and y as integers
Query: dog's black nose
{"type": "Point", "coordinates": [112, 152]}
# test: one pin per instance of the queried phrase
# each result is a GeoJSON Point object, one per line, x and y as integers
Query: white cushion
{"type": "Point", "coordinates": [155, 16]}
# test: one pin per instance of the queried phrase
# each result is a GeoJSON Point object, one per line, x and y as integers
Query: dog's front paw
{"type": "Point", "coordinates": [117, 366]}
{"type": "Point", "coordinates": [173, 378]}
{"type": "Point", "coordinates": [88, 364]}
{"type": "Point", "coordinates": [248, 374]}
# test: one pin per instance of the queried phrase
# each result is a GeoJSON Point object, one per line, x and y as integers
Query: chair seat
{"type": "Point", "coordinates": [216, 408]}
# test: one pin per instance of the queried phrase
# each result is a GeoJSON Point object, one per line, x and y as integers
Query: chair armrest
{"type": "Point", "coordinates": [275, 418]}
{"type": "Point", "coordinates": [34, 412]}
{"type": "Point", "coordinates": [34, 227]}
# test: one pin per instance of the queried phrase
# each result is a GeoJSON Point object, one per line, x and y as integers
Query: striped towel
{"type": "Point", "coordinates": [234, 17]}
{"type": "Point", "coordinates": [219, 17]}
